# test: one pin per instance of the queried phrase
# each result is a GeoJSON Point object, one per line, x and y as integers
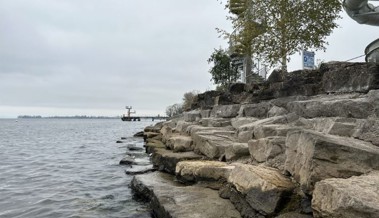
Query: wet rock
{"type": "Point", "coordinates": [169, 199]}
{"type": "Point", "coordinates": [134, 148]}
{"type": "Point", "coordinates": [166, 160]}
{"type": "Point", "coordinates": [312, 156]}
{"type": "Point", "coordinates": [153, 144]}
{"type": "Point", "coordinates": [239, 201]}
{"type": "Point", "coordinates": [136, 170]}
{"type": "Point", "coordinates": [119, 141]}
{"type": "Point", "coordinates": [265, 188]}
{"type": "Point", "coordinates": [357, 196]}
{"type": "Point", "coordinates": [138, 134]}
{"type": "Point", "coordinates": [192, 171]}
{"type": "Point", "coordinates": [128, 160]}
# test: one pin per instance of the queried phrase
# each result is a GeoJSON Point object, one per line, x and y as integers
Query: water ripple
{"type": "Point", "coordinates": [66, 168]}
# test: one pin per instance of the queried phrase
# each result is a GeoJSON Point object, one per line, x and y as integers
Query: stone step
{"type": "Point", "coordinates": [354, 197]}
{"type": "Point", "coordinates": [166, 160]}
{"type": "Point", "coordinates": [169, 199]}
{"type": "Point", "coordinates": [153, 144]}
{"type": "Point", "coordinates": [312, 156]}
{"type": "Point", "coordinates": [270, 150]}
{"type": "Point", "coordinates": [192, 171]}
{"type": "Point", "coordinates": [212, 143]}
{"type": "Point", "coordinates": [265, 189]}
{"type": "Point", "coordinates": [180, 143]}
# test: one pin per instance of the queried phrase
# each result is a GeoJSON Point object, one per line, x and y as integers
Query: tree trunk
{"type": "Point", "coordinates": [248, 71]}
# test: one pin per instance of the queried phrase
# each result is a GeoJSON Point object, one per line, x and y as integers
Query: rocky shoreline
{"type": "Point", "coordinates": [302, 144]}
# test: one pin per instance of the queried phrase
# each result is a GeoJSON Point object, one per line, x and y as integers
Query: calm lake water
{"type": "Point", "coordinates": [66, 168]}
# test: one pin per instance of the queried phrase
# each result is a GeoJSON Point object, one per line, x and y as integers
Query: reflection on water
{"type": "Point", "coordinates": [66, 168]}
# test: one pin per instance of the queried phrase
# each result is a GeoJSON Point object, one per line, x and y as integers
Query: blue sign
{"type": "Point", "coordinates": [308, 60]}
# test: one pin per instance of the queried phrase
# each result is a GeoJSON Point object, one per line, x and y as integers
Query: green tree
{"type": "Point", "coordinates": [288, 26]}
{"type": "Point", "coordinates": [223, 73]}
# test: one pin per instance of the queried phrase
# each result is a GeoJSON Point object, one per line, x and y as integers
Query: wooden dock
{"type": "Point", "coordinates": [137, 118]}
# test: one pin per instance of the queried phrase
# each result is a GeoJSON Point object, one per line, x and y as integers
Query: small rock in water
{"type": "Point", "coordinates": [119, 141]}
{"type": "Point", "coordinates": [123, 138]}
{"type": "Point", "coordinates": [128, 160]}
{"type": "Point", "coordinates": [134, 148]}
{"type": "Point", "coordinates": [139, 134]}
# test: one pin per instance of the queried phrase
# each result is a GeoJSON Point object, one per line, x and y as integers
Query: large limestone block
{"type": "Point", "coordinates": [202, 170]}
{"type": "Point", "coordinates": [353, 107]}
{"type": "Point", "coordinates": [236, 151]}
{"type": "Point", "coordinates": [284, 119]}
{"type": "Point", "coordinates": [182, 126]}
{"type": "Point", "coordinates": [244, 136]}
{"type": "Point", "coordinates": [259, 110]}
{"type": "Point", "coordinates": [169, 199]}
{"type": "Point", "coordinates": [215, 122]}
{"type": "Point", "coordinates": [166, 160]}
{"type": "Point", "coordinates": [264, 149]}
{"type": "Point", "coordinates": [225, 111]}
{"type": "Point", "coordinates": [312, 156]}
{"type": "Point", "coordinates": [276, 111]}
{"type": "Point", "coordinates": [356, 197]}
{"type": "Point", "coordinates": [265, 188]}
{"type": "Point", "coordinates": [192, 116]}
{"type": "Point", "coordinates": [180, 143]}
{"type": "Point", "coordinates": [263, 131]}
{"type": "Point", "coordinates": [166, 133]}
{"type": "Point", "coordinates": [153, 144]}
{"type": "Point", "coordinates": [212, 143]}
{"type": "Point", "coordinates": [342, 77]}
{"type": "Point", "coordinates": [240, 121]}
{"type": "Point", "coordinates": [192, 129]}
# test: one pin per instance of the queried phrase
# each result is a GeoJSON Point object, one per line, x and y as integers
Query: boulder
{"type": "Point", "coordinates": [136, 170]}
{"type": "Point", "coordinates": [236, 150]}
{"type": "Point", "coordinates": [205, 100]}
{"type": "Point", "coordinates": [350, 106]}
{"type": "Point", "coordinates": [294, 215]}
{"type": "Point", "coordinates": [263, 131]}
{"type": "Point", "coordinates": [166, 160]}
{"type": "Point", "coordinates": [354, 197]}
{"type": "Point", "coordinates": [166, 133]}
{"type": "Point", "coordinates": [192, 116]}
{"type": "Point", "coordinates": [276, 111]}
{"type": "Point", "coordinates": [240, 121]}
{"type": "Point", "coordinates": [191, 171]}
{"type": "Point", "coordinates": [153, 144]}
{"type": "Point", "coordinates": [341, 77]}
{"type": "Point", "coordinates": [169, 199]}
{"type": "Point", "coordinates": [258, 110]}
{"type": "Point", "coordinates": [128, 160]}
{"type": "Point", "coordinates": [264, 149]}
{"type": "Point", "coordinates": [212, 143]}
{"type": "Point", "coordinates": [215, 122]}
{"type": "Point", "coordinates": [182, 126]}
{"type": "Point", "coordinates": [265, 188]}
{"type": "Point", "coordinates": [312, 156]}
{"type": "Point", "coordinates": [180, 143]}
{"type": "Point", "coordinates": [225, 111]}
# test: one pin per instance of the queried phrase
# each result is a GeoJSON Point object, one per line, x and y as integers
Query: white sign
{"type": "Point", "coordinates": [308, 60]}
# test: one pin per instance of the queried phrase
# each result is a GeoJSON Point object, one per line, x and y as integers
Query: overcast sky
{"type": "Point", "coordinates": [94, 57]}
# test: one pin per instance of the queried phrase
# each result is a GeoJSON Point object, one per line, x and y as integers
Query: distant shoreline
{"type": "Point", "coordinates": [66, 117]}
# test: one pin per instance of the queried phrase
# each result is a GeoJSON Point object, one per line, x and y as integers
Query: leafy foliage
{"type": "Point", "coordinates": [284, 27]}
{"type": "Point", "coordinates": [174, 110]}
{"type": "Point", "coordinates": [223, 72]}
